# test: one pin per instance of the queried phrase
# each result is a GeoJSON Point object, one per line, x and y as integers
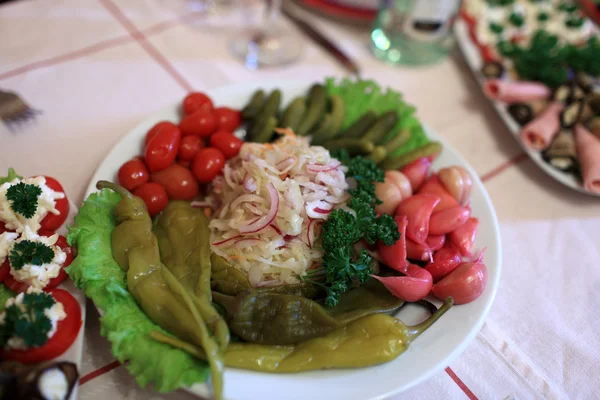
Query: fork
{"type": "Point", "coordinates": [13, 110]}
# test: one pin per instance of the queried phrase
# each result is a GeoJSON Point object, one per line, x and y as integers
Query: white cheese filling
{"type": "Point", "coordinates": [7, 240]}
{"type": "Point", "coordinates": [53, 384]}
{"type": "Point", "coordinates": [55, 314]}
{"type": "Point", "coordinates": [46, 204]}
{"type": "Point", "coordinates": [38, 276]}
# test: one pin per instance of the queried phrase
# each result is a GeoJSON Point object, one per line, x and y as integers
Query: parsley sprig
{"type": "Point", "coordinates": [30, 252]}
{"type": "Point", "coordinates": [24, 198]}
{"type": "Point", "coordinates": [28, 322]}
{"type": "Point", "coordinates": [342, 267]}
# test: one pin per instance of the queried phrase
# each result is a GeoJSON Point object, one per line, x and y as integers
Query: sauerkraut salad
{"type": "Point", "coordinates": [269, 205]}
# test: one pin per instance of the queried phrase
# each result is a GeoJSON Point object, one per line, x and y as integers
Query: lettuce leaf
{"type": "Point", "coordinates": [5, 294]}
{"type": "Point", "coordinates": [360, 96]}
{"type": "Point", "coordinates": [11, 175]}
{"type": "Point", "coordinates": [123, 323]}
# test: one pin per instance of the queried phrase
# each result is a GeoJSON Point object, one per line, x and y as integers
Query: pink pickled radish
{"type": "Point", "coordinates": [445, 261]}
{"type": "Point", "coordinates": [463, 238]}
{"type": "Point", "coordinates": [413, 287]}
{"type": "Point", "coordinates": [588, 151]}
{"type": "Point", "coordinates": [417, 252]}
{"type": "Point", "coordinates": [417, 172]}
{"type": "Point", "coordinates": [464, 284]}
{"type": "Point", "coordinates": [448, 220]}
{"type": "Point", "coordinates": [394, 256]}
{"type": "Point", "coordinates": [515, 91]}
{"type": "Point", "coordinates": [538, 133]}
{"type": "Point", "coordinates": [418, 209]}
{"type": "Point", "coordinates": [434, 186]}
{"type": "Point", "coordinates": [458, 182]}
{"type": "Point", "coordinates": [435, 242]}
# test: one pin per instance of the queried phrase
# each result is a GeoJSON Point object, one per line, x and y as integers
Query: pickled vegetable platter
{"type": "Point", "coordinates": [290, 247]}
{"type": "Point", "coordinates": [537, 63]}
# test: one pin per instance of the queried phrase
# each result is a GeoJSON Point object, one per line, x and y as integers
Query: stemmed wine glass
{"type": "Point", "coordinates": [268, 43]}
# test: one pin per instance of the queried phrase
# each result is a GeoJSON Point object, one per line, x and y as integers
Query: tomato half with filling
{"type": "Point", "coordinates": [63, 338]}
{"type": "Point", "coordinates": [21, 287]}
{"type": "Point", "coordinates": [4, 270]}
{"type": "Point", "coordinates": [52, 222]}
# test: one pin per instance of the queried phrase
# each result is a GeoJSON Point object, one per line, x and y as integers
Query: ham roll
{"type": "Point", "coordinates": [538, 133]}
{"type": "Point", "coordinates": [588, 151]}
{"type": "Point", "coordinates": [515, 92]}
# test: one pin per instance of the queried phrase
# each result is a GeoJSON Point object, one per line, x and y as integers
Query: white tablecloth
{"type": "Point", "coordinates": [97, 68]}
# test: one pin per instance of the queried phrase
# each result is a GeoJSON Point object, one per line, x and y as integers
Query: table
{"type": "Point", "coordinates": [97, 68]}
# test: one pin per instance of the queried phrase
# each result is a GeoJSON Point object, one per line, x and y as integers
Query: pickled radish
{"type": "Point", "coordinates": [464, 284]}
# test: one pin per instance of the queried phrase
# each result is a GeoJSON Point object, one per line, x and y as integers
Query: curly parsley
{"type": "Point", "coordinates": [342, 266]}
{"type": "Point", "coordinates": [28, 322]}
{"type": "Point", "coordinates": [24, 198]}
{"type": "Point", "coordinates": [29, 252]}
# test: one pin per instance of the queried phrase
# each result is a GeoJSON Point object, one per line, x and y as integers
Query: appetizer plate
{"type": "Point", "coordinates": [427, 355]}
{"type": "Point", "coordinates": [75, 352]}
{"type": "Point", "coordinates": [474, 61]}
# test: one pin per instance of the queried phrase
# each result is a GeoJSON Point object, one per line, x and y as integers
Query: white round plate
{"type": "Point", "coordinates": [429, 354]}
{"type": "Point", "coordinates": [474, 61]}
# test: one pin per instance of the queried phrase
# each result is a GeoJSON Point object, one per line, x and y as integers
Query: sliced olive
{"type": "Point", "coordinates": [584, 81]}
{"type": "Point", "coordinates": [522, 113]}
{"type": "Point", "coordinates": [571, 114]}
{"type": "Point", "coordinates": [593, 100]}
{"type": "Point", "coordinates": [492, 69]}
{"type": "Point", "coordinates": [563, 92]}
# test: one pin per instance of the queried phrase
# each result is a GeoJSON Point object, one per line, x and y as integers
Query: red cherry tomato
{"type": "Point", "coordinates": [154, 195]}
{"type": "Point", "coordinates": [178, 181]}
{"type": "Point", "coordinates": [189, 147]}
{"type": "Point", "coordinates": [196, 101]}
{"type": "Point", "coordinates": [227, 143]}
{"type": "Point", "coordinates": [21, 287]}
{"type": "Point", "coordinates": [52, 222]}
{"type": "Point", "coordinates": [159, 127]}
{"type": "Point", "coordinates": [4, 270]}
{"type": "Point", "coordinates": [162, 149]}
{"type": "Point", "coordinates": [2, 228]}
{"type": "Point", "coordinates": [66, 333]}
{"type": "Point", "coordinates": [185, 163]}
{"type": "Point", "coordinates": [227, 118]}
{"type": "Point", "coordinates": [201, 123]}
{"type": "Point", "coordinates": [207, 164]}
{"type": "Point", "coordinates": [132, 174]}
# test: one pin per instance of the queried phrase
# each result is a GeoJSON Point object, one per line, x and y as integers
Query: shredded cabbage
{"type": "Point", "coordinates": [270, 202]}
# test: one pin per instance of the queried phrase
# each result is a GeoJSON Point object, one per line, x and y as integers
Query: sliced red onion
{"type": "Point", "coordinates": [247, 242]}
{"type": "Point", "coordinates": [276, 229]}
{"type": "Point", "coordinates": [314, 167]}
{"type": "Point", "coordinates": [318, 209]}
{"type": "Point", "coordinates": [226, 240]}
{"type": "Point", "coordinates": [285, 163]}
{"type": "Point", "coordinates": [331, 180]}
{"type": "Point", "coordinates": [287, 238]}
{"type": "Point", "coordinates": [252, 198]}
{"type": "Point", "coordinates": [310, 233]}
{"type": "Point", "coordinates": [249, 183]}
{"type": "Point", "coordinates": [201, 204]}
{"type": "Point", "coordinates": [262, 222]}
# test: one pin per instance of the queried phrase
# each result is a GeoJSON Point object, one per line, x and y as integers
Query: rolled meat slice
{"type": "Point", "coordinates": [588, 151]}
{"type": "Point", "coordinates": [538, 133]}
{"type": "Point", "coordinates": [515, 92]}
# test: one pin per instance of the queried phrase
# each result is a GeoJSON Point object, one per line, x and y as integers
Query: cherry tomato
{"type": "Point", "coordinates": [2, 228]}
{"type": "Point", "coordinates": [162, 149]}
{"type": "Point", "coordinates": [189, 147]}
{"type": "Point", "coordinates": [196, 101]}
{"type": "Point", "coordinates": [66, 333]}
{"type": "Point", "coordinates": [201, 123]}
{"type": "Point", "coordinates": [52, 222]}
{"type": "Point", "coordinates": [154, 195]}
{"type": "Point", "coordinates": [207, 164]}
{"type": "Point", "coordinates": [227, 143]}
{"type": "Point", "coordinates": [159, 127]}
{"type": "Point", "coordinates": [178, 181]}
{"type": "Point", "coordinates": [185, 163]}
{"type": "Point", "coordinates": [4, 270]}
{"type": "Point", "coordinates": [132, 174]}
{"type": "Point", "coordinates": [227, 118]}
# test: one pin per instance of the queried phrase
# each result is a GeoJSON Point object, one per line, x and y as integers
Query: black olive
{"type": "Point", "coordinates": [492, 69]}
{"type": "Point", "coordinates": [522, 113]}
{"type": "Point", "coordinates": [593, 100]}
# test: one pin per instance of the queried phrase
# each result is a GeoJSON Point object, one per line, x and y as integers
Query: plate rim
{"type": "Point", "coordinates": [470, 55]}
{"type": "Point", "coordinates": [288, 85]}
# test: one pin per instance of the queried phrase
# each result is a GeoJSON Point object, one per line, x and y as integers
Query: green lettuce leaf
{"type": "Point", "coordinates": [360, 96]}
{"type": "Point", "coordinates": [5, 294]}
{"type": "Point", "coordinates": [123, 323]}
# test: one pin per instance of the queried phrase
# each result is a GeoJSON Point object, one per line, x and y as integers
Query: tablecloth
{"type": "Point", "coordinates": [97, 68]}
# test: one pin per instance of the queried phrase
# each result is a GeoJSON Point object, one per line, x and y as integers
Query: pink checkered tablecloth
{"type": "Point", "coordinates": [98, 68]}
